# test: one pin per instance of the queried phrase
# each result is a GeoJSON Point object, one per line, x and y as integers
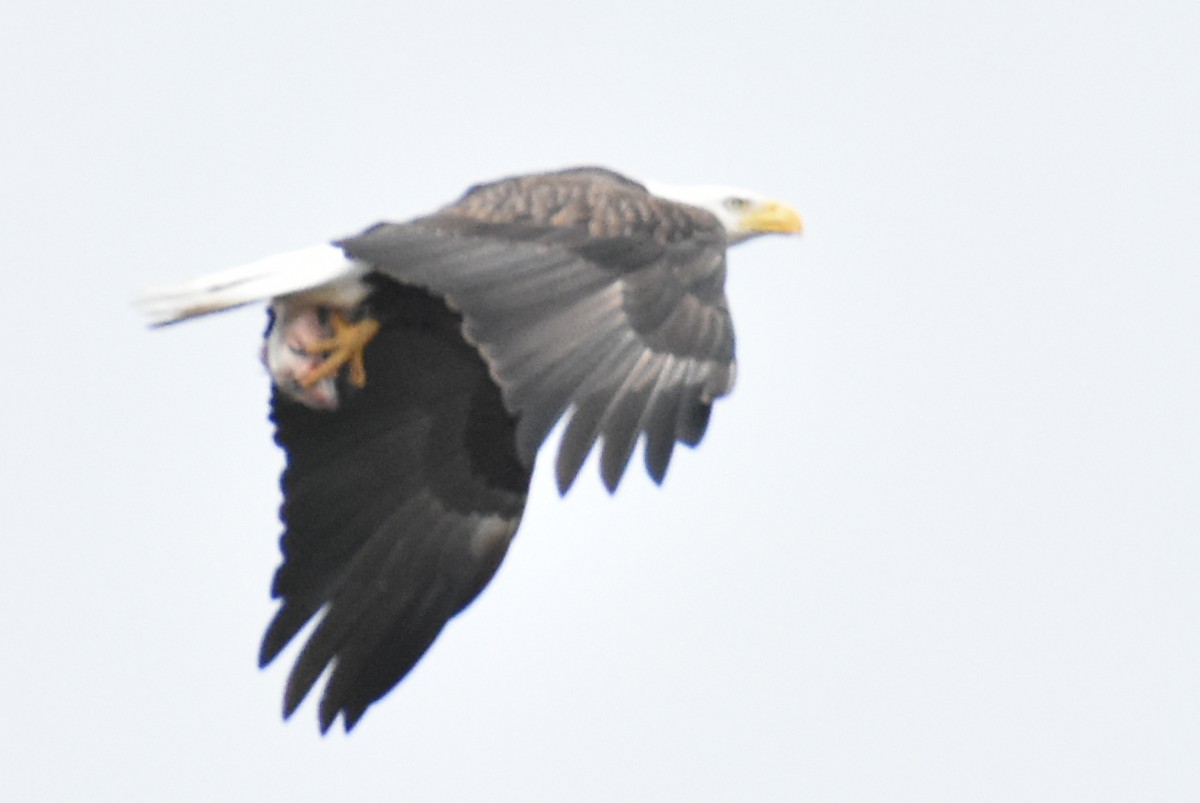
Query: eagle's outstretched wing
{"type": "Point", "coordinates": [400, 503]}
{"type": "Point", "coordinates": [398, 506]}
{"type": "Point", "coordinates": [608, 304]}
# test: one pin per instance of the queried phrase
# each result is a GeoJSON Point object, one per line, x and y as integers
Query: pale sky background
{"type": "Point", "coordinates": [941, 544]}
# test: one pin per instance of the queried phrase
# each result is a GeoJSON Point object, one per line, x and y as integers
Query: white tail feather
{"type": "Point", "coordinates": [257, 281]}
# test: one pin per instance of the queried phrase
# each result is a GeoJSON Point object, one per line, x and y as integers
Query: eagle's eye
{"type": "Point", "coordinates": [737, 204]}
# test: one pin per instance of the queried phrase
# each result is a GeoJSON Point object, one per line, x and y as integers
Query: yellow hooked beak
{"type": "Point", "coordinates": [772, 217]}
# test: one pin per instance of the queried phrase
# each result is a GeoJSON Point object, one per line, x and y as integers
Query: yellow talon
{"type": "Point", "coordinates": [345, 346]}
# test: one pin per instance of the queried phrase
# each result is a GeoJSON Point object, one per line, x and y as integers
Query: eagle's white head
{"type": "Point", "coordinates": [743, 213]}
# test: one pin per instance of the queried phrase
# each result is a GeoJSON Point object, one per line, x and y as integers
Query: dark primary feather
{"type": "Point", "coordinates": [587, 296]}
{"type": "Point", "coordinates": [399, 506]}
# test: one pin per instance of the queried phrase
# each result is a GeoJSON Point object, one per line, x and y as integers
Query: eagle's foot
{"type": "Point", "coordinates": [345, 345]}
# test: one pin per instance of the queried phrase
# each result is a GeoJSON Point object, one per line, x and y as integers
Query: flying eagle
{"type": "Point", "coordinates": [417, 367]}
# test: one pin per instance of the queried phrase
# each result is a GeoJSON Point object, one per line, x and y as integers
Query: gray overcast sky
{"type": "Point", "coordinates": [941, 544]}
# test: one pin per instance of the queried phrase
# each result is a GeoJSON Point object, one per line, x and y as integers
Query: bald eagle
{"type": "Point", "coordinates": [417, 367]}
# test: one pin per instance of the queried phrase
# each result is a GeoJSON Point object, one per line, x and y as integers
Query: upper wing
{"type": "Point", "coordinates": [631, 330]}
{"type": "Point", "coordinates": [399, 506]}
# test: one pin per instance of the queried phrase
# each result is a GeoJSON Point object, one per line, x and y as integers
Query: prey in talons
{"type": "Point", "coordinates": [307, 347]}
